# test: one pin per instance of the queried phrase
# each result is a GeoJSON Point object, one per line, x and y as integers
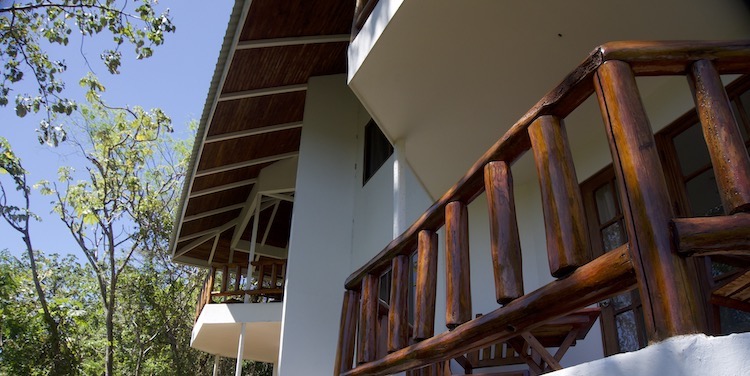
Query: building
{"type": "Point", "coordinates": [333, 127]}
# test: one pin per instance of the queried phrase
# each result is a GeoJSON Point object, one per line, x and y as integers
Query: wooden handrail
{"type": "Point", "coordinates": [670, 296]}
{"type": "Point", "coordinates": [658, 58]}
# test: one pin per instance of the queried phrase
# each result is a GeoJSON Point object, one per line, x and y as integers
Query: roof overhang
{"type": "Point", "coordinates": [252, 119]}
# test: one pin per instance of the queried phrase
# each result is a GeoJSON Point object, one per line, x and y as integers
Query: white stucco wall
{"type": "Point", "coordinates": [695, 355]}
{"type": "Point", "coordinates": [320, 243]}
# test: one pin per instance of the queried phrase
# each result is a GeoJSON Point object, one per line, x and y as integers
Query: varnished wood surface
{"type": "Point", "coordinates": [705, 236]}
{"type": "Point", "coordinates": [576, 87]}
{"type": "Point", "coordinates": [347, 332]}
{"type": "Point", "coordinates": [600, 279]}
{"type": "Point", "coordinates": [505, 246]}
{"type": "Point", "coordinates": [424, 311]}
{"type": "Point", "coordinates": [564, 216]}
{"type": "Point", "coordinates": [723, 138]}
{"type": "Point", "coordinates": [368, 320]}
{"type": "Point", "coordinates": [398, 320]}
{"type": "Point", "coordinates": [671, 300]}
{"type": "Point", "coordinates": [457, 265]}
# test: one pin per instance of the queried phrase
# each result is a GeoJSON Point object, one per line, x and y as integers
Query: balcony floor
{"type": "Point", "coordinates": [218, 329]}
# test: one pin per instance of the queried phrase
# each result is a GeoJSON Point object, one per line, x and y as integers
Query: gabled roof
{"type": "Point", "coordinates": [253, 117]}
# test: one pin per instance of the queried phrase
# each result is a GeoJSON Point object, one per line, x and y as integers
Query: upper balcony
{"type": "Point", "coordinates": [232, 297]}
{"type": "Point", "coordinates": [428, 70]}
{"type": "Point", "coordinates": [656, 256]}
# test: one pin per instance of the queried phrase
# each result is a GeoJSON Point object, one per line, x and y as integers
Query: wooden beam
{"type": "Point", "coordinates": [224, 187]}
{"type": "Point", "coordinates": [723, 138]}
{"type": "Point", "coordinates": [210, 231]}
{"type": "Point", "coordinates": [600, 279]}
{"type": "Point", "coordinates": [398, 320]}
{"type": "Point", "coordinates": [293, 41]}
{"type": "Point", "coordinates": [252, 162]}
{"type": "Point", "coordinates": [347, 332]}
{"type": "Point", "coordinates": [368, 321]}
{"type": "Point", "coordinates": [458, 280]}
{"type": "Point", "coordinates": [209, 213]}
{"type": "Point", "coordinates": [280, 196]}
{"type": "Point", "coordinates": [253, 132]}
{"type": "Point", "coordinates": [505, 245]}
{"type": "Point", "coordinates": [262, 92]}
{"type": "Point", "coordinates": [671, 296]}
{"type": "Point", "coordinates": [424, 310]}
{"type": "Point", "coordinates": [704, 236]}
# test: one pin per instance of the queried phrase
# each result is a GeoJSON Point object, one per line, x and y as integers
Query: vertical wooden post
{"type": "Point", "coordinates": [671, 303]}
{"type": "Point", "coordinates": [564, 218]}
{"type": "Point", "coordinates": [458, 287]}
{"type": "Point", "coordinates": [504, 242]}
{"type": "Point", "coordinates": [368, 320]}
{"type": "Point", "coordinates": [398, 320]}
{"type": "Point", "coordinates": [224, 277]}
{"type": "Point", "coordinates": [211, 277]}
{"type": "Point", "coordinates": [723, 138]}
{"type": "Point", "coordinates": [237, 277]}
{"type": "Point", "coordinates": [424, 310]}
{"type": "Point", "coordinates": [347, 332]}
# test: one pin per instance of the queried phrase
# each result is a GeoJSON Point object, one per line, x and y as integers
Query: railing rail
{"type": "Point", "coordinates": [267, 283]}
{"type": "Point", "coordinates": [651, 254]}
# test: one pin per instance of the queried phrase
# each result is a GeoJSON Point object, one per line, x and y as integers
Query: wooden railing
{"type": "Point", "coordinates": [266, 284]}
{"type": "Point", "coordinates": [654, 259]}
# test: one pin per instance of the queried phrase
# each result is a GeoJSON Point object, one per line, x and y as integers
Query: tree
{"type": "Point", "coordinates": [19, 218]}
{"type": "Point", "coordinates": [122, 210]}
{"type": "Point", "coordinates": [27, 28]}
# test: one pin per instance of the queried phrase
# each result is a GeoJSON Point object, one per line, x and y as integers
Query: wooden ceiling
{"type": "Point", "coordinates": [255, 119]}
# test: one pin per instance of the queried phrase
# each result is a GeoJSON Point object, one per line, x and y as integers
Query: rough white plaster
{"type": "Point", "coordinates": [320, 243]}
{"type": "Point", "coordinates": [697, 355]}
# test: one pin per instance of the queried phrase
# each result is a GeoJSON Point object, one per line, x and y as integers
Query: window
{"type": "Point", "coordinates": [693, 191]}
{"type": "Point", "coordinates": [377, 150]}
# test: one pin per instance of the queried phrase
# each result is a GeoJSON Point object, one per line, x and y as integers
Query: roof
{"type": "Point", "coordinates": [253, 118]}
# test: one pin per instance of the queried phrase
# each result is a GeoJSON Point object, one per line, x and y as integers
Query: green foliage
{"type": "Point", "coordinates": [26, 27]}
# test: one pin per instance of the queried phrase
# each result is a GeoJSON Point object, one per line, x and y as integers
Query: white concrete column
{"type": "Point", "coordinates": [399, 188]}
{"type": "Point", "coordinates": [321, 240]}
{"type": "Point", "coordinates": [240, 350]}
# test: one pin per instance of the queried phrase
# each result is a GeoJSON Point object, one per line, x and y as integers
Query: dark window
{"type": "Point", "coordinates": [377, 150]}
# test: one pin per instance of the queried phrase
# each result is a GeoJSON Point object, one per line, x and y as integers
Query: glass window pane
{"type": "Point", "coordinates": [738, 117]}
{"type": "Point", "coordinates": [622, 300]}
{"type": "Point", "coordinates": [691, 149]}
{"type": "Point", "coordinates": [627, 336]}
{"type": "Point", "coordinates": [613, 236]}
{"type": "Point", "coordinates": [734, 321]}
{"type": "Point", "coordinates": [605, 203]}
{"type": "Point", "coordinates": [703, 195]}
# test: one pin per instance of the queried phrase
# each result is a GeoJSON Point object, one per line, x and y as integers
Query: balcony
{"type": "Point", "coordinates": [656, 258]}
{"type": "Point", "coordinates": [230, 298]}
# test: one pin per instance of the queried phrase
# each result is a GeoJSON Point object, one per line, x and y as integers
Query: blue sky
{"type": "Point", "coordinates": [175, 79]}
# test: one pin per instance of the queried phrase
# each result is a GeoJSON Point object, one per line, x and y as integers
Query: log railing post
{"type": "Point", "coordinates": [504, 241]}
{"type": "Point", "coordinates": [458, 285]}
{"type": "Point", "coordinates": [368, 320]}
{"type": "Point", "coordinates": [398, 313]}
{"type": "Point", "coordinates": [671, 300]}
{"type": "Point", "coordinates": [564, 218]}
{"type": "Point", "coordinates": [347, 332]}
{"type": "Point", "coordinates": [723, 138]}
{"type": "Point", "coordinates": [424, 310]}
{"type": "Point", "coordinates": [224, 277]}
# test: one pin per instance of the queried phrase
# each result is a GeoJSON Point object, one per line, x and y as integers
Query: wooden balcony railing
{"type": "Point", "coordinates": [654, 259]}
{"type": "Point", "coordinates": [228, 283]}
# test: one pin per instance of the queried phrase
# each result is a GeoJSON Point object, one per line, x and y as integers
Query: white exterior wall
{"type": "Point", "coordinates": [320, 243]}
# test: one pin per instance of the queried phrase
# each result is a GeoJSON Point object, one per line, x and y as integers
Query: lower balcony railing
{"type": "Point", "coordinates": [230, 283]}
{"type": "Point", "coordinates": [654, 259]}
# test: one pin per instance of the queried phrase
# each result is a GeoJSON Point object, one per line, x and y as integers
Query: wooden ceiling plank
{"type": "Point", "coordinates": [292, 41]}
{"type": "Point", "coordinates": [261, 92]}
{"type": "Point", "coordinates": [224, 187]}
{"type": "Point", "coordinates": [252, 162]}
{"type": "Point", "coordinates": [211, 231]}
{"type": "Point", "coordinates": [253, 132]}
{"type": "Point", "coordinates": [209, 213]}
